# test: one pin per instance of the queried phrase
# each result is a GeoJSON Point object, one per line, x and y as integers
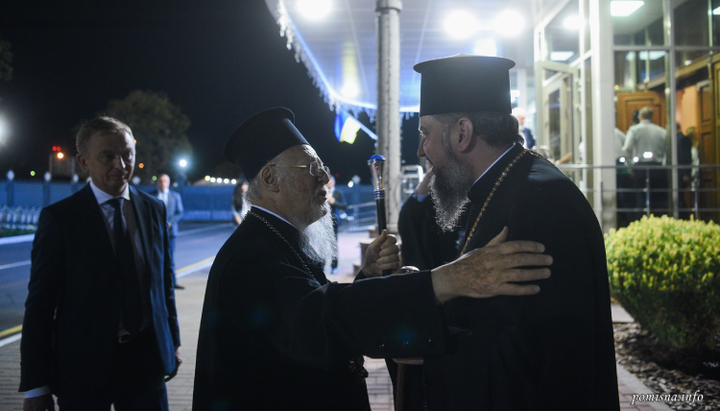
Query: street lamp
{"type": "Point", "coordinates": [183, 163]}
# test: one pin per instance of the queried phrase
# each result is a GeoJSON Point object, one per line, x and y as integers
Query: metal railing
{"type": "Point", "coordinates": [19, 218]}
{"type": "Point", "coordinates": [642, 189]}
{"type": "Point", "coordinates": [357, 217]}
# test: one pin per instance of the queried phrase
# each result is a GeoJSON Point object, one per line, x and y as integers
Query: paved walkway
{"type": "Point", "coordinates": [189, 311]}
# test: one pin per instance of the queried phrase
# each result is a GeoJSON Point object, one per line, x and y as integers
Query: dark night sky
{"type": "Point", "coordinates": [220, 61]}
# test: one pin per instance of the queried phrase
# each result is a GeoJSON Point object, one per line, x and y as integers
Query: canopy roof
{"type": "Point", "coordinates": [340, 49]}
{"type": "Point", "coordinates": [340, 52]}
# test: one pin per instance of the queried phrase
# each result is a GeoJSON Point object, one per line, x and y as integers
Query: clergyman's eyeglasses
{"type": "Point", "coordinates": [314, 168]}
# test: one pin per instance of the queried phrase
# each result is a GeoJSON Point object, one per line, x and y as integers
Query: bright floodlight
{"type": "Point", "coordinates": [509, 23]}
{"type": "Point", "coordinates": [460, 24]}
{"type": "Point", "coordinates": [624, 8]}
{"type": "Point", "coordinates": [350, 89]}
{"type": "Point", "coordinates": [183, 163]}
{"type": "Point", "coordinates": [313, 9]}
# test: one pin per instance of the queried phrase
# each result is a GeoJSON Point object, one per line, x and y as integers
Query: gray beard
{"type": "Point", "coordinates": [318, 240]}
{"type": "Point", "coordinates": [448, 189]}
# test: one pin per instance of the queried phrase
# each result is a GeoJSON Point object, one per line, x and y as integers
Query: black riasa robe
{"type": "Point", "coordinates": [275, 337]}
{"type": "Point", "coordinates": [551, 351]}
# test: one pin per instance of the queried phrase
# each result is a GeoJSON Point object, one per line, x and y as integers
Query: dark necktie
{"type": "Point", "coordinates": [131, 302]}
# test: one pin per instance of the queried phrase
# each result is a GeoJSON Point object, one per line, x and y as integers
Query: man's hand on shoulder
{"type": "Point", "coordinates": [492, 270]}
{"type": "Point", "coordinates": [41, 403]}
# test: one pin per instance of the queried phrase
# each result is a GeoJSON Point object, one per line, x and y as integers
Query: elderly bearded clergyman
{"type": "Point", "coordinates": [275, 334]}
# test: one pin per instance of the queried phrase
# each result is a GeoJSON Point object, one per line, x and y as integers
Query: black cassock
{"type": "Point", "coordinates": [551, 351]}
{"type": "Point", "coordinates": [424, 244]}
{"type": "Point", "coordinates": [275, 337]}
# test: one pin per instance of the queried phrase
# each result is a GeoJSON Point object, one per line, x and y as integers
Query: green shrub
{"type": "Point", "coordinates": [10, 232]}
{"type": "Point", "coordinates": [666, 274]}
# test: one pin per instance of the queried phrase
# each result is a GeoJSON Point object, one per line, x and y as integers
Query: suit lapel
{"type": "Point", "coordinates": [90, 215]}
{"type": "Point", "coordinates": [142, 218]}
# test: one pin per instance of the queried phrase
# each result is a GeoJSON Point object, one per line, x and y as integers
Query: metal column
{"type": "Point", "coordinates": [388, 111]}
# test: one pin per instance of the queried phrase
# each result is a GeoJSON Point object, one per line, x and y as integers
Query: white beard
{"type": "Point", "coordinates": [448, 190]}
{"type": "Point", "coordinates": [318, 240]}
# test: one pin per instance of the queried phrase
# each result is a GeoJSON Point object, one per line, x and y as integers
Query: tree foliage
{"type": "Point", "coordinates": [6, 57]}
{"type": "Point", "coordinates": [160, 129]}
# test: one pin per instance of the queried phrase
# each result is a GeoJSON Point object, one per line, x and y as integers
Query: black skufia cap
{"type": "Point", "coordinates": [465, 83]}
{"type": "Point", "coordinates": [260, 138]}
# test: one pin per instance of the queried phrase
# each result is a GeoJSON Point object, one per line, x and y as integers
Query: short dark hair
{"type": "Point", "coordinates": [496, 129]}
{"type": "Point", "coordinates": [646, 113]}
{"type": "Point", "coordinates": [99, 125]}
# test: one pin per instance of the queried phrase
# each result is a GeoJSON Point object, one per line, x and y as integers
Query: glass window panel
{"type": "Point", "coordinates": [655, 33]}
{"type": "Point", "coordinates": [554, 123]}
{"type": "Point", "coordinates": [561, 34]}
{"type": "Point", "coordinates": [643, 26]}
{"type": "Point", "coordinates": [623, 40]}
{"type": "Point", "coordinates": [686, 58]}
{"type": "Point", "coordinates": [625, 70]}
{"type": "Point", "coordinates": [691, 23]}
{"type": "Point", "coordinates": [639, 38]}
{"type": "Point", "coordinates": [650, 65]}
{"type": "Point", "coordinates": [549, 73]}
{"type": "Point", "coordinates": [586, 25]}
{"type": "Point", "coordinates": [716, 21]}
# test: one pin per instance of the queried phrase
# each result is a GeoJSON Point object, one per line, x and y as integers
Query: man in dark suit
{"type": "Point", "coordinates": [100, 324]}
{"type": "Point", "coordinates": [549, 351]}
{"type": "Point", "coordinates": [275, 334]}
{"type": "Point", "coordinates": [174, 210]}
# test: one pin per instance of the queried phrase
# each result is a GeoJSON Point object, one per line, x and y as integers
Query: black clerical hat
{"type": "Point", "coordinates": [465, 83]}
{"type": "Point", "coordinates": [262, 137]}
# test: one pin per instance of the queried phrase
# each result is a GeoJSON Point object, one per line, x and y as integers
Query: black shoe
{"type": "Point", "coordinates": [179, 287]}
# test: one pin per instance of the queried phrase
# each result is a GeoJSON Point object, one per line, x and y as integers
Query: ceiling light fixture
{"type": "Point", "coordinates": [624, 8]}
{"type": "Point", "coordinates": [350, 89]}
{"type": "Point", "coordinates": [313, 9]}
{"type": "Point", "coordinates": [460, 24]}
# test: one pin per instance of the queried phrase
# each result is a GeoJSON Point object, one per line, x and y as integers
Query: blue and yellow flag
{"type": "Point", "coordinates": [346, 127]}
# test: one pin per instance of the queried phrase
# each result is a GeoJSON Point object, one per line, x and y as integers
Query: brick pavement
{"type": "Point", "coordinates": [189, 311]}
